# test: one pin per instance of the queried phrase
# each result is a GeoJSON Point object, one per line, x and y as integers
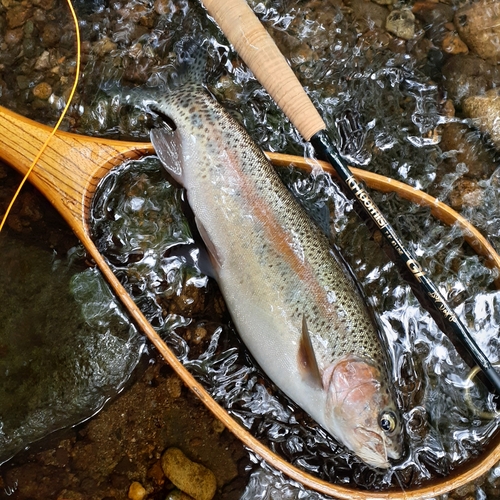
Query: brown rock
{"type": "Point", "coordinates": [468, 75]}
{"type": "Point", "coordinates": [435, 18]}
{"type": "Point", "coordinates": [191, 478]}
{"type": "Point", "coordinates": [485, 109]}
{"type": "Point", "coordinates": [452, 44]}
{"type": "Point", "coordinates": [466, 193]}
{"type": "Point", "coordinates": [478, 24]}
{"type": "Point", "coordinates": [178, 495]}
{"type": "Point", "coordinates": [464, 145]}
{"type": "Point", "coordinates": [370, 14]}
{"type": "Point", "coordinates": [14, 37]}
{"type": "Point", "coordinates": [45, 4]}
{"type": "Point", "coordinates": [163, 7]}
{"type": "Point", "coordinates": [136, 491]}
{"type": "Point", "coordinates": [174, 386]}
{"type": "Point", "coordinates": [43, 91]}
{"type": "Point", "coordinates": [17, 16]}
{"type": "Point", "coordinates": [401, 23]}
{"type": "Point", "coordinates": [51, 35]}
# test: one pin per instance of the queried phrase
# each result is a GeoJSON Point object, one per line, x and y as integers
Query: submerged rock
{"type": "Point", "coordinates": [485, 110]}
{"type": "Point", "coordinates": [464, 145]}
{"type": "Point", "coordinates": [468, 75]}
{"type": "Point", "coordinates": [466, 193]}
{"type": "Point", "coordinates": [479, 26]}
{"type": "Point", "coordinates": [191, 478]}
{"type": "Point", "coordinates": [136, 491]}
{"type": "Point", "coordinates": [401, 23]}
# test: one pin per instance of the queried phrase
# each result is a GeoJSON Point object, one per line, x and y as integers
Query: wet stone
{"type": "Point", "coordinates": [469, 75]}
{"type": "Point", "coordinates": [485, 110]}
{"type": "Point", "coordinates": [174, 386]}
{"type": "Point", "coordinates": [45, 4]}
{"type": "Point", "coordinates": [479, 26]}
{"type": "Point", "coordinates": [43, 91]}
{"type": "Point", "coordinates": [23, 82]}
{"type": "Point", "coordinates": [136, 491]}
{"type": "Point", "coordinates": [384, 2]}
{"type": "Point", "coordinates": [178, 495]}
{"type": "Point", "coordinates": [401, 23]}
{"type": "Point", "coordinates": [453, 44]}
{"type": "Point", "coordinates": [13, 37]}
{"type": "Point", "coordinates": [466, 193]}
{"type": "Point", "coordinates": [435, 17]}
{"type": "Point", "coordinates": [43, 61]}
{"type": "Point", "coordinates": [162, 7]}
{"type": "Point", "coordinates": [370, 13]}
{"type": "Point", "coordinates": [464, 145]}
{"type": "Point", "coordinates": [191, 478]}
{"type": "Point", "coordinates": [51, 35]}
{"type": "Point", "coordinates": [29, 47]}
{"type": "Point", "coordinates": [17, 16]}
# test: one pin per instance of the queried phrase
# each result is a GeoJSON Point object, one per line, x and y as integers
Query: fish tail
{"type": "Point", "coordinates": [191, 60]}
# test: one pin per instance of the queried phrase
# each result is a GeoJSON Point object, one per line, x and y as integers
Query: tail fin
{"type": "Point", "coordinates": [192, 60]}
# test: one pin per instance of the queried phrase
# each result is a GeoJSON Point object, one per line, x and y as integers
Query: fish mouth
{"type": "Point", "coordinates": [372, 448]}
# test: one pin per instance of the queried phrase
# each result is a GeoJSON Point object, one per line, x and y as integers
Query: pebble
{"type": "Point", "coordinates": [453, 44]}
{"type": "Point", "coordinates": [369, 14]}
{"type": "Point", "coordinates": [178, 495]}
{"type": "Point", "coordinates": [467, 74]}
{"type": "Point", "coordinates": [466, 193]}
{"type": "Point", "coordinates": [401, 23]}
{"type": "Point", "coordinates": [174, 386]}
{"type": "Point", "coordinates": [23, 82]}
{"type": "Point", "coordinates": [464, 145]}
{"type": "Point", "coordinates": [478, 25]}
{"type": "Point", "coordinates": [51, 35]}
{"type": "Point", "coordinates": [384, 2]}
{"type": "Point", "coordinates": [136, 491]}
{"type": "Point", "coordinates": [486, 110]}
{"type": "Point", "coordinates": [162, 7]}
{"type": "Point", "coordinates": [104, 46]}
{"type": "Point", "coordinates": [43, 62]}
{"type": "Point", "coordinates": [193, 479]}
{"type": "Point", "coordinates": [13, 37]}
{"type": "Point", "coordinates": [17, 16]}
{"type": "Point", "coordinates": [43, 91]}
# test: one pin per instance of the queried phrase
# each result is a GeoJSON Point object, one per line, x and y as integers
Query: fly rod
{"type": "Point", "coordinates": [256, 47]}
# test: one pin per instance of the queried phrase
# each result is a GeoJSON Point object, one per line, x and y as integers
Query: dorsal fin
{"type": "Point", "coordinates": [308, 365]}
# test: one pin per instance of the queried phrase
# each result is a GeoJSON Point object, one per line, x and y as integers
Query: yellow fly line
{"type": "Point", "coordinates": [56, 126]}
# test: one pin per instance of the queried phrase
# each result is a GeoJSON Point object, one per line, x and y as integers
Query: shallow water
{"type": "Point", "coordinates": [385, 101]}
{"type": "Point", "coordinates": [138, 222]}
{"type": "Point", "coordinates": [66, 345]}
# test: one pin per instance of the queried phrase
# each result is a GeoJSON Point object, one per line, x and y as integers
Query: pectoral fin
{"type": "Point", "coordinates": [212, 251]}
{"type": "Point", "coordinates": [308, 365]}
{"type": "Point", "coordinates": [167, 146]}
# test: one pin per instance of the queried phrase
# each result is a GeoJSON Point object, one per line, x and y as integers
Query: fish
{"type": "Point", "coordinates": [292, 298]}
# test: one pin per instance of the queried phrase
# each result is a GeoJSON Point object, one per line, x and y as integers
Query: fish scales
{"type": "Point", "coordinates": [286, 225]}
{"type": "Point", "coordinates": [287, 291]}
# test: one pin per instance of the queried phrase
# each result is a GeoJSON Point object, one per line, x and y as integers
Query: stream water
{"type": "Point", "coordinates": [395, 108]}
{"type": "Point", "coordinates": [138, 225]}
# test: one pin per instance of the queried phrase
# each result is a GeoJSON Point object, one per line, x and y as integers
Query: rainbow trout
{"type": "Point", "coordinates": [290, 296]}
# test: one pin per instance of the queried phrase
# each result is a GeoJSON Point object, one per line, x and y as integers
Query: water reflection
{"type": "Point", "coordinates": [66, 346]}
{"type": "Point", "coordinates": [428, 374]}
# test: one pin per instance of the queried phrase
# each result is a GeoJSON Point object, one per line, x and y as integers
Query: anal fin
{"type": "Point", "coordinates": [212, 251]}
{"type": "Point", "coordinates": [308, 365]}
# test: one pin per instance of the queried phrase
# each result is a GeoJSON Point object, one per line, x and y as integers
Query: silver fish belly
{"type": "Point", "coordinates": [290, 297]}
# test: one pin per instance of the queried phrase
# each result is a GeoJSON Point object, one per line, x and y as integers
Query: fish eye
{"type": "Point", "coordinates": [388, 422]}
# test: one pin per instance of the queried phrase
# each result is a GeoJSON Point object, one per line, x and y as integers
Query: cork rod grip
{"type": "Point", "coordinates": [256, 47]}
